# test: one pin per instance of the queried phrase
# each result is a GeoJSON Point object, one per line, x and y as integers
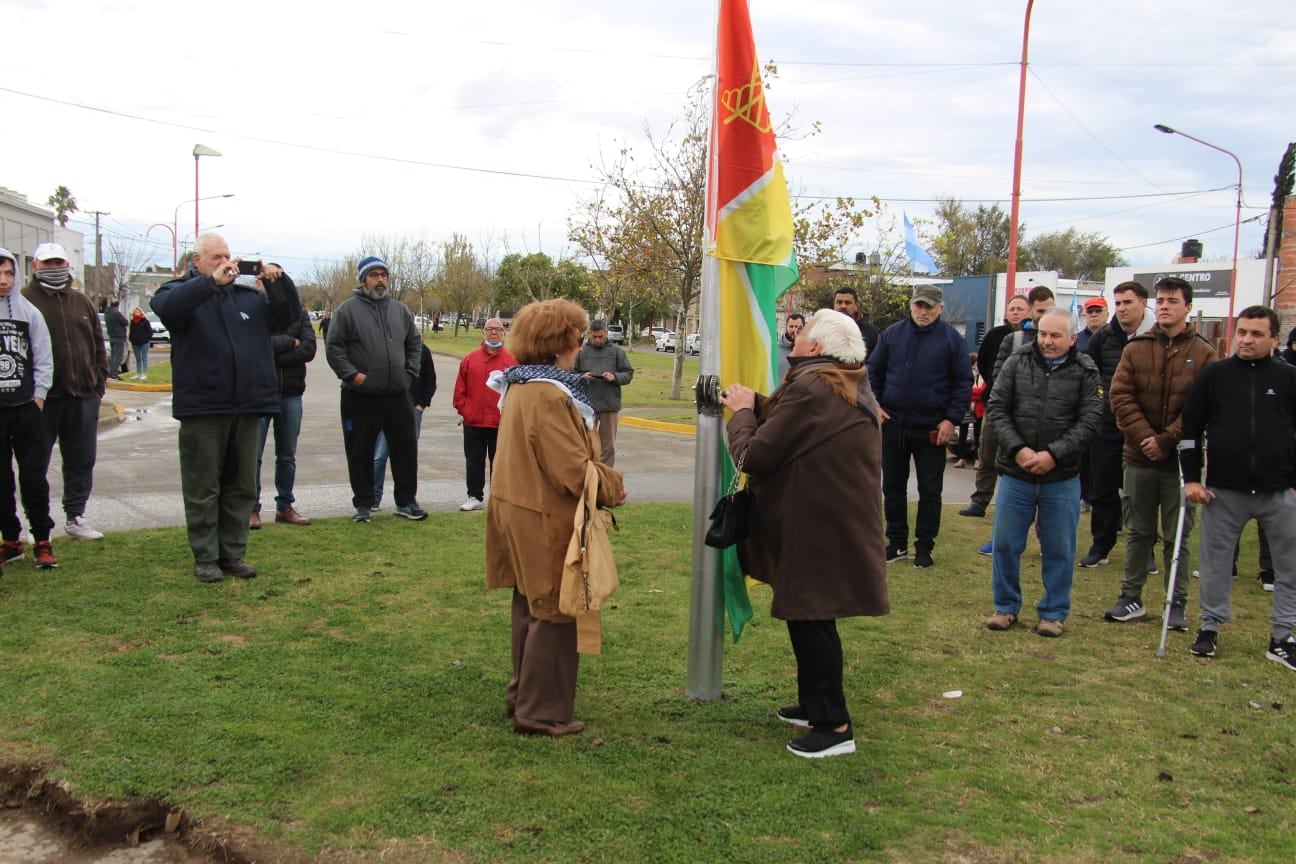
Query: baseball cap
{"type": "Point", "coordinates": [49, 251]}
{"type": "Point", "coordinates": [929, 294]}
{"type": "Point", "coordinates": [1095, 303]}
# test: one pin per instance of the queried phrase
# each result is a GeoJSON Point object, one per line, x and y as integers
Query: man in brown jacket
{"type": "Point", "coordinates": [1148, 392]}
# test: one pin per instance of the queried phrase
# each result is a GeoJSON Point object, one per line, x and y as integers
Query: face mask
{"type": "Point", "coordinates": [54, 277]}
{"type": "Point", "coordinates": [494, 346]}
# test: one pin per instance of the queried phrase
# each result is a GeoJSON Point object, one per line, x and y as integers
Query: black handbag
{"type": "Point", "coordinates": [731, 518]}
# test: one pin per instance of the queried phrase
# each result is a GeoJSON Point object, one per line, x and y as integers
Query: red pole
{"type": "Point", "coordinates": [1017, 162]}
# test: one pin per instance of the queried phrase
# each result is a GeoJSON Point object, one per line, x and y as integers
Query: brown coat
{"type": "Point", "coordinates": [1150, 387]}
{"type": "Point", "coordinates": [536, 480]}
{"type": "Point", "coordinates": [814, 466]}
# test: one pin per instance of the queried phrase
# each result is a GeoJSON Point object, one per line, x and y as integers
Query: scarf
{"type": "Point", "coordinates": [54, 277]}
{"type": "Point", "coordinates": [848, 381]}
{"type": "Point", "coordinates": [569, 382]}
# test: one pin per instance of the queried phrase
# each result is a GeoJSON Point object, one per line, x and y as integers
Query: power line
{"type": "Point", "coordinates": [1188, 236]}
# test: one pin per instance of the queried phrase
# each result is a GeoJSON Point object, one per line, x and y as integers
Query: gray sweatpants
{"type": "Point", "coordinates": [1221, 524]}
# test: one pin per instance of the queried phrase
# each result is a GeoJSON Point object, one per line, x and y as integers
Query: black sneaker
{"type": "Point", "coordinates": [1283, 653]}
{"type": "Point", "coordinates": [896, 553]}
{"type": "Point", "coordinates": [412, 511]}
{"type": "Point", "coordinates": [1126, 609]}
{"type": "Point", "coordinates": [795, 715]}
{"type": "Point", "coordinates": [1094, 559]}
{"type": "Point", "coordinates": [1266, 578]}
{"type": "Point", "coordinates": [973, 509]}
{"type": "Point", "coordinates": [1205, 644]}
{"type": "Point", "coordinates": [361, 515]}
{"type": "Point", "coordinates": [1177, 621]}
{"type": "Point", "coordinates": [923, 558]}
{"type": "Point", "coordinates": [824, 742]}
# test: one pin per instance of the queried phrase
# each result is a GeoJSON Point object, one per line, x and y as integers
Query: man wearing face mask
{"type": "Point", "coordinates": [478, 405]}
{"type": "Point", "coordinates": [223, 383]}
{"type": "Point", "coordinates": [374, 348]}
{"type": "Point", "coordinates": [71, 415]}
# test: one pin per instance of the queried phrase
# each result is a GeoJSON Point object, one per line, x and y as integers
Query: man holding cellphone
{"type": "Point", "coordinates": [606, 369]}
{"type": "Point", "coordinates": [922, 378]}
{"type": "Point", "coordinates": [224, 382]}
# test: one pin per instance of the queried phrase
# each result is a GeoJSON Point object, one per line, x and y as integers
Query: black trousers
{"type": "Point", "coordinates": [363, 417]}
{"type": "Point", "coordinates": [819, 672]}
{"type": "Point", "coordinates": [899, 445]}
{"type": "Point", "coordinates": [22, 438]}
{"type": "Point", "coordinates": [1106, 474]}
{"type": "Point", "coordinates": [479, 445]}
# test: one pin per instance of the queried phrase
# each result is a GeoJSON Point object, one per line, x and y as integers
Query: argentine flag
{"type": "Point", "coordinates": [919, 260]}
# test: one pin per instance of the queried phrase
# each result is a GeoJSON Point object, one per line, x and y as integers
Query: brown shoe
{"type": "Point", "coordinates": [291, 517]}
{"type": "Point", "coordinates": [551, 728]}
{"type": "Point", "coordinates": [1049, 627]}
{"type": "Point", "coordinates": [254, 522]}
{"type": "Point", "coordinates": [237, 568]}
{"type": "Point", "coordinates": [1000, 621]}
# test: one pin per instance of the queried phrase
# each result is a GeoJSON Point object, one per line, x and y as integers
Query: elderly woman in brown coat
{"type": "Point", "coordinates": [545, 444]}
{"type": "Point", "coordinates": [812, 453]}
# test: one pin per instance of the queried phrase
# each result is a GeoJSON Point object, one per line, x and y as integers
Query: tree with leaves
{"type": "Point", "coordinates": [463, 281]}
{"type": "Point", "coordinates": [1073, 254]}
{"type": "Point", "coordinates": [520, 279]}
{"type": "Point", "coordinates": [965, 242]}
{"type": "Point", "coordinates": [63, 203]}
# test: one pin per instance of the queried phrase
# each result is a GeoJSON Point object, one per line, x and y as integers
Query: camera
{"type": "Point", "coordinates": [249, 268]}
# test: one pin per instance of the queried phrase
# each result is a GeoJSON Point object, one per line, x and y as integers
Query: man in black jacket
{"type": "Point", "coordinates": [421, 394]}
{"type": "Point", "coordinates": [1245, 407]}
{"type": "Point", "coordinates": [115, 323]}
{"type": "Point", "coordinates": [293, 347]}
{"type": "Point", "coordinates": [987, 356]}
{"type": "Point", "coordinates": [1045, 409]}
{"type": "Point", "coordinates": [1106, 468]}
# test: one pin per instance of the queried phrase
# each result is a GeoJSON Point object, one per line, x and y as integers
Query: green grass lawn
{"type": "Point", "coordinates": [348, 706]}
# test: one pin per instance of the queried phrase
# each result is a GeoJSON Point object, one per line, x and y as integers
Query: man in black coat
{"type": "Point", "coordinates": [294, 347]}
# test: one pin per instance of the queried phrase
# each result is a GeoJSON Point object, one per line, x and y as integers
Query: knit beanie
{"type": "Point", "coordinates": [367, 264]}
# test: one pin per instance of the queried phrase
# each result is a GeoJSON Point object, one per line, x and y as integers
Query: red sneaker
{"type": "Point", "coordinates": [45, 555]}
{"type": "Point", "coordinates": [11, 550]}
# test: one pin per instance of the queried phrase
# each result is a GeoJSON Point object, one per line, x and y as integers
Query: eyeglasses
{"type": "Point", "coordinates": [493, 329]}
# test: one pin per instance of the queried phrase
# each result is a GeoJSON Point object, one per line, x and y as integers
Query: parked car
{"type": "Point", "coordinates": [693, 344]}
{"type": "Point", "coordinates": [654, 332]}
{"type": "Point", "coordinates": [161, 335]}
{"type": "Point", "coordinates": [667, 342]}
{"type": "Point", "coordinates": [616, 333]}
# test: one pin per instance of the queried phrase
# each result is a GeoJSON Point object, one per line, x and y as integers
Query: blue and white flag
{"type": "Point", "coordinates": [919, 260]}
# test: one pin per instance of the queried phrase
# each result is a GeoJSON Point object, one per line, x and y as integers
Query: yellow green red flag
{"type": "Point", "coordinates": [749, 229]}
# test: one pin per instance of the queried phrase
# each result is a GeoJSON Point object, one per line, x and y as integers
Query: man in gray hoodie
{"type": "Point", "coordinates": [26, 373]}
{"type": "Point", "coordinates": [374, 348]}
{"type": "Point", "coordinates": [607, 369]}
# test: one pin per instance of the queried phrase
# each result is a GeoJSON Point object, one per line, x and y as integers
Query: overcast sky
{"type": "Point", "coordinates": [337, 120]}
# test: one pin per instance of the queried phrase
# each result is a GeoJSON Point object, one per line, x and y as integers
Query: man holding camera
{"type": "Point", "coordinates": [221, 315]}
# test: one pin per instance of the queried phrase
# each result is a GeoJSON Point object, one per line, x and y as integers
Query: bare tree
{"type": "Point", "coordinates": [125, 257]}
{"type": "Point", "coordinates": [335, 279]}
{"type": "Point", "coordinates": [463, 281]}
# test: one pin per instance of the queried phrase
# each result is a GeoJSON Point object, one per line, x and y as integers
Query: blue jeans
{"type": "Point", "coordinates": [1056, 507]}
{"type": "Point", "coordinates": [141, 359]}
{"type": "Point", "coordinates": [287, 426]}
{"type": "Point", "coordinates": [380, 456]}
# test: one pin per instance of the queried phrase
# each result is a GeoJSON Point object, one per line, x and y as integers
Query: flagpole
{"type": "Point", "coordinates": [706, 593]}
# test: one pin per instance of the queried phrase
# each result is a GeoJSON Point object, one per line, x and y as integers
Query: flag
{"type": "Point", "coordinates": [918, 258]}
{"type": "Point", "coordinates": [749, 231]}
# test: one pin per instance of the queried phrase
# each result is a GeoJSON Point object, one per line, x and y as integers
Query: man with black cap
{"type": "Point", "coordinates": [71, 414]}
{"type": "Point", "coordinates": [922, 378]}
{"type": "Point", "coordinates": [374, 348]}
{"type": "Point", "coordinates": [607, 369]}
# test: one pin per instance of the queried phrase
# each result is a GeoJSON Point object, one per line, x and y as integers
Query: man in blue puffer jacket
{"type": "Point", "coordinates": [922, 378]}
{"type": "Point", "coordinates": [223, 383]}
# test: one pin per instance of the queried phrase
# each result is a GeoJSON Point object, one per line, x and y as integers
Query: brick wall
{"type": "Point", "coordinates": [1284, 300]}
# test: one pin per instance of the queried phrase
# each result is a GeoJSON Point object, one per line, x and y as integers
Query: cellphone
{"type": "Point", "coordinates": [249, 268]}
{"type": "Point", "coordinates": [932, 435]}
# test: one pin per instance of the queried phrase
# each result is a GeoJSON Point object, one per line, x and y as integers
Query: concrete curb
{"type": "Point", "coordinates": [114, 384]}
{"type": "Point", "coordinates": [118, 416]}
{"type": "Point", "coordinates": [658, 425]}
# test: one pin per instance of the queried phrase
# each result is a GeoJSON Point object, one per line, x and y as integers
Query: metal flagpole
{"type": "Point", "coordinates": [706, 593]}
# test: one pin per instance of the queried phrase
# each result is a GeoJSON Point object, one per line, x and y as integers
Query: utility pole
{"type": "Point", "coordinates": [99, 251]}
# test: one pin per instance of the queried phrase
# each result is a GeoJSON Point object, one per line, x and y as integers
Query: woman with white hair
{"type": "Point", "coordinates": [812, 453]}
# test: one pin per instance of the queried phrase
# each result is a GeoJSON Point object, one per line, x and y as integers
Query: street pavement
{"type": "Point", "coordinates": [137, 475]}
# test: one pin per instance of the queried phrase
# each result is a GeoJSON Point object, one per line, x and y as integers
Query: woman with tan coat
{"type": "Point", "coordinates": [812, 451]}
{"type": "Point", "coordinates": [545, 444]}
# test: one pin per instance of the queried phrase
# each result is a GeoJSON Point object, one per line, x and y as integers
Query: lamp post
{"type": "Point", "coordinates": [172, 232]}
{"type": "Point", "coordinates": [199, 150]}
{"type": "Point", "coordinates": [1017, 160]}
{"type": "Point", "coordinates": [175, 224]}
{"type": "Point", "coordinates": [1237, 221]}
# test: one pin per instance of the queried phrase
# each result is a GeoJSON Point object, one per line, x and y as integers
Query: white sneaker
{"type": "Point", "coordinates": [472, 504]}
{"type": "Point", "coordinates": [80, 529]}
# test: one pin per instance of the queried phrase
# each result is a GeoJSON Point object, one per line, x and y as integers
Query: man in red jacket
{"type": "Point", "coordinates": [478, 405]}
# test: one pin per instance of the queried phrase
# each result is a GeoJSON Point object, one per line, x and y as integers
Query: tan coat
{"type": "Point", "coordinates": [815, 467]}
{"type": "Point", "coordinates": [1150, 387]}
{"type": "Point", "coordinates": [537, 478]}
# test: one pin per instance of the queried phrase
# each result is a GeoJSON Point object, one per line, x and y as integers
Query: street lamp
{"type": "Point", "coordinates": [199, 150]}
{"type": "Point", "coordinates": [1237, 220]}
{"type": "Point", "coordinates": [1017, 160]}
{"type": "Point", "coordinates": [172, 232]}
{"type": "Point", "coordinates": [175, 224]}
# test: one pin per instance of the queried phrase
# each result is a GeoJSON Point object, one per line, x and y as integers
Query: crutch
{"type": "Point", "coordinates": [1178, 541]}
